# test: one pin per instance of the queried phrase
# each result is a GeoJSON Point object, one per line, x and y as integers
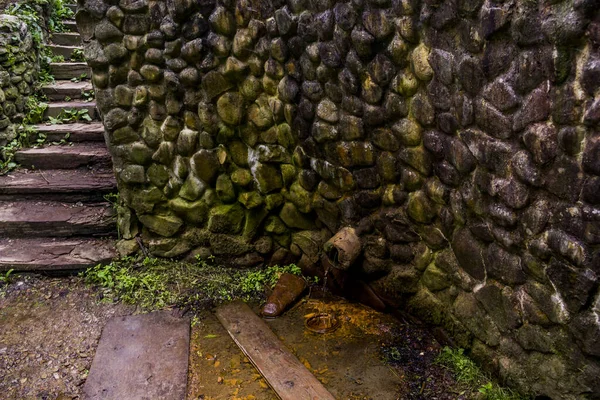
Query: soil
{"type": "Point", "coordinates": [50, 328]}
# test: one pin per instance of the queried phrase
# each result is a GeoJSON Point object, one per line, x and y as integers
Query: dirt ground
{"type": "Point", "coordinates": [49, 330]}
{"type": "Point", "coordinates": [50, 327]}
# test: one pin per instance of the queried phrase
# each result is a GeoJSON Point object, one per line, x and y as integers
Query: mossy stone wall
{"type": "Point", "coordinates": [18, 75]}
{"type": "Point", "coordinates": [459, 137]}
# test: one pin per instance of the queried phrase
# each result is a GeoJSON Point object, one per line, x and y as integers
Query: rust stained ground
{"type": "Point", "coordinates": [50, 327]}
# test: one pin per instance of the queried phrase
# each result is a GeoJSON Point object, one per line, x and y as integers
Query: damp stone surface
{"type": "Point", "coordinates": [459, 138]}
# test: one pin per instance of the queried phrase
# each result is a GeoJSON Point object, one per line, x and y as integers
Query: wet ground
{"type": "Point", "coordinates": [50, 327]}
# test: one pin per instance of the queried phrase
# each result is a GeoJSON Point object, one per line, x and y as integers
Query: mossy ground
{"type": "Point", "coordinates": [153, 283]}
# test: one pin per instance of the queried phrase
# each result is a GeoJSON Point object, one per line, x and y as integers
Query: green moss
{"type": "Point", "coordinates": [155, 283]}
{"type": "Point", "coordinates": [470, 375]}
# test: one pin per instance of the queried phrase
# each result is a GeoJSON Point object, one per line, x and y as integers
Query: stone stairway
{"type": "Point", "coordinates": [53, 214]}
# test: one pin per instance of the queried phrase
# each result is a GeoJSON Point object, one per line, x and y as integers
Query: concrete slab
{"type": "Point", "coordinates": [141, 357]}
{"type": "Point", "coordinates": [54, 254]}
{"type": "Point", "coordinates": [86, 185]}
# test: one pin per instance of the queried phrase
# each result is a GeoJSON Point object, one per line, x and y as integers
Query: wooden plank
{"type": "Point", "coordinates": [141, 357]}
{"type": "Point", "coordinates": [288, 377]}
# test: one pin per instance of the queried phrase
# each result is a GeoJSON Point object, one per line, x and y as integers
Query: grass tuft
{"type": "Point", "coordinates": [468, 373]}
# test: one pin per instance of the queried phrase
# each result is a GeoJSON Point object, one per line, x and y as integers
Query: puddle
{"type": "Point", "coordinates": [348, 361]}
{"type": "Point", "coordinates": [50, 329]}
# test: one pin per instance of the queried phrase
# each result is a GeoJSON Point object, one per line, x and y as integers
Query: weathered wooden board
{"type": "Point", "coordinates": [141, 357]}
{"type": "Point", "coordinates": [288, 377]}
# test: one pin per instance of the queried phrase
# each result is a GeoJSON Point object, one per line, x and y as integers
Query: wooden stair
{"type": "Point", "coordinates": [53, 210]}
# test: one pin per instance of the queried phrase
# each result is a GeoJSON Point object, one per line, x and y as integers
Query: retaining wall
{"type": "Point", "coordinates": [459, 137]}
{"type": "Point", "coordinates": [18, 75]}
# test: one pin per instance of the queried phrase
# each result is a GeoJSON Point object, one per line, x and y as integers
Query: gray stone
{"type": "Point", "coordinates": [504, 266]}
{"type": "Point", "coordinates": [474, 318]}
{"type": "Point", "coordinates": [230, 108]}
{"type": "Point", "coordinates": [492, 121]}
{"type": "Point", "coordinates": [535, 108]}
{"type": "Point", "coordinates": [469, 253]}
{"type": "Point", "coordinates": [226, 218]}
{"type": "Point", "coordinates": [378, 23]}
{"type": "Point", "coordinates": [591, 155]}
{"type": "Point", "coordinates": [470, 75]}
{"type": "Point", "coordinates": [163, 225]}
{"type": "Point", "coordinates": [328, 111]}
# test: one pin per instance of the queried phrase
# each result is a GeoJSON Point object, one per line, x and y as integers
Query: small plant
{"type": "Point", "coordinates": [88, 95]}
{"type": "Point", "coordinates": [155, 283]}
{"type": "Point", "coordinates": [77, 55]}
{"type": "Point", "coordinates": [57, 58]}
{"type": "Point", "coordinates": [468, 373]}
{"type": "Point", "coordinates": [69, 115]}
{"type": "Point", "coordinates": [256, 282]}
{"type": "Point", "coordinates": [45, 77]}
{"type": "Point", "coordinates": [79, 78]}
{"type": "Point", "coordinates": [27, 134]}
{"type": "Point", "coordinates": [35, 110]}
{"type": "Point", "coordinates": [5, 277]}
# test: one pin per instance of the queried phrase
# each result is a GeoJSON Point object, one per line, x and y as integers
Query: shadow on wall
{"type": "Point", "coordinates": [459, 139]}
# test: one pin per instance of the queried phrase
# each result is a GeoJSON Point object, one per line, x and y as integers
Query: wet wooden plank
{"type": "Point", "coordinates": [141, 357]}
{"type": "Point", "coordinates": [288, 377]}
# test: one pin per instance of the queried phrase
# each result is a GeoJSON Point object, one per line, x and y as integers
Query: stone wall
{"type": "Point", "coordinates": [18, 74]}
{"type": "Point", "coordinates": [459, 137]}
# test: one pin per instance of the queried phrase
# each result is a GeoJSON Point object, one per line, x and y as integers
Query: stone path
{"type": "Point", "coordinates": [53, 215]}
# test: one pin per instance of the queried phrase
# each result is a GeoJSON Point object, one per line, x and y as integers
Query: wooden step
{"type": "Point", "coordinates": [66, 39]}
{"type": "Point", "coordinates": [32, 218]}
{"type": "Point", "coordinates": [70, 25]}
{"type": "Point", "coordinates": [61, 89]}
{"type": "Point", "coordinates": [64, 51]}
{"type": "Point", "coordinates": [55, 254]}
{"type": "Point", "coordinates": [55, 108]}
{"type": "Point", "coordinates": [92, 132]}
{"type": "Point", "coordinates": [73, 7]}
{"type": "Point", "coordinates": [86, 185]}
{"type": "Point", "coordinates": [68, 70]}
{"type": "Point", "coordinates": [64, 156]}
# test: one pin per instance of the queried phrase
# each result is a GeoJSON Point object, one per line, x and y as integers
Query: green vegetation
{"type": "Point", "coordinates": [469, 374]}
{"type": "Point", "coordinates": [77, 55]}
{"type": "Point", "coordinates": [88, 95]}
{"type": "Point", "coordinates": [5, 276]}
{"type": "Point", "coordinates": [155, 283]}
{"type": "Point", "coordinates": [26, 134]}
{"type": "Point", "coordinates": [79, 78]}
{"type": "Point", "coordinates": [36, 108]}
{"type": "Point", "coordinates": [68, 115]}
{"type": "Point", "coordinates": [31, 13]}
